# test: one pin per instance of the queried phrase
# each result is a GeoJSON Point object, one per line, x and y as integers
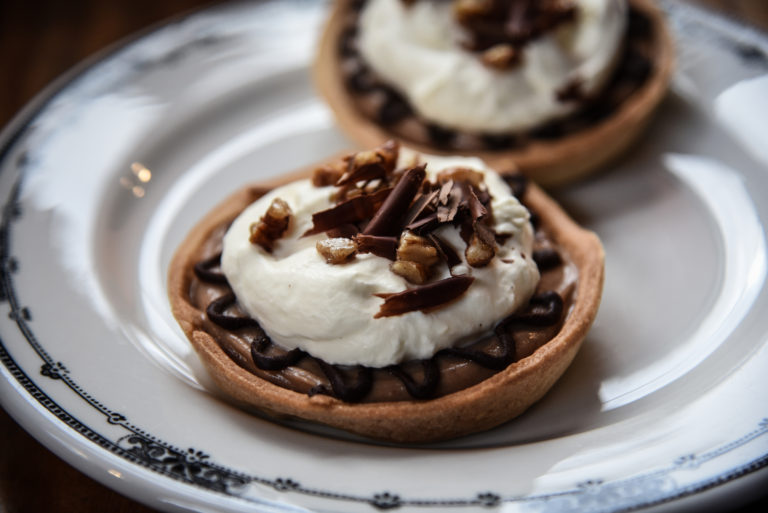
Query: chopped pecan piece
{"type": "Point", "coordinates": [501, 56]}
{"type": "Point", "coordinates": [370, 164]}
{"type": "Point", "coordinates": [461, 174]}
{"type": "Point", "coordinates": [415, 256]}
{"type": "Point", "coordinates": [481, 247]}
{"type": "Point", "coordinates": [416, 249]}
{"type": "Point", "coordinates": [469, 8]}
{"type": "Point", "coordinates": [414, 272]}
{"type": "Point", "coordinates": [478, 253]}
{"type": "Point", "coordinates": [272, 225]}
{"type": "Point", "coordinates": [327, 174]}
{"type": "Point", "coordinates": [336, 250]}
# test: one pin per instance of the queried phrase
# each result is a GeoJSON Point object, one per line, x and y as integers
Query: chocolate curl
{"type": "Point", "coordinates": [380, 246]}
{"type": "Point", "coordinates": [485, 233]}
{"type": "Point", "coordinates": [425, 224]}
{"type": "Point", "coordinates": [388, 219]}
{"type": "Point", "coordinates": [351, 211]}
{"type": "Point", "coordinates": [346, 231]}
{"type": "Point", "coordinates": [518, 25]}
{"type": "Point", "coordinates": [423, 297]}
{"type": "Point", "coordinates": [423, 205]}
{"type": "Point", "coordinates": [450, 198]}
{"type": "Point", "coordinates": [476, 208]}
{"type": "Point", "coordinates": [446, 252]}
{"type": "Point", "coordinates": [365, 173]}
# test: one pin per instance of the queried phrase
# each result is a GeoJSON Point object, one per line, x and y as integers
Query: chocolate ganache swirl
{"type": "Point", "coordinates": [513, 338]}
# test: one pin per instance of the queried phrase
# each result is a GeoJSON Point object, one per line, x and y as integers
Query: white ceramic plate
{"type": "Point", "coordinates": [106, 171]}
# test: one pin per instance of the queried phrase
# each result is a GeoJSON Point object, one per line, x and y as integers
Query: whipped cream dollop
{"type": "Point", "coordinates": [301, 301]}
{"type": "Point", "coordinates": [416, 49]}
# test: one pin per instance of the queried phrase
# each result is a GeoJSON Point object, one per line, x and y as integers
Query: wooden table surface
{"type": "Point", "coordinates": [39, 40]}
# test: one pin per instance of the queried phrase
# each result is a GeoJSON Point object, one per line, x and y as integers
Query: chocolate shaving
{"type": "Point", "coordinates": [423, 297]}
{"type": "Point", "coordinates": [346, 231]}
{"type": "Point", "coordinates": [385, 247]}
{"type": "Point", "coordinates": [451, 196]}
{"type": "Point", "coordinates": [483, 196]}
{"type": "Point", "coordinates": [516, 27]}
{"type": "Point", "coordinates": [366, 172]}
{"type": "Point", "coordinates": [422, 205]}
{"type": "Point", "coordinates": [466, 230]}
{"type": "Point", "coordinates": [476, 208]}
{"type": "Point", "coordinates": [485, 233]}
{"type": "Point", "coordinates": [350, 211]}
{"type": "Point", "coordinates": [388, 219]}
{"type": "Point", "coordinates": [424, 224]}
{"type": "Point", "coordinates": [445, 250]}
{"type": "Point", "coordinates": [445, 192]}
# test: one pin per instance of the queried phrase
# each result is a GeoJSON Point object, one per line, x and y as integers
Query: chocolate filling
{"type": "Point", "coordinates": [514, 337]}
{"type": "Point", "coordinates": [381, 103]}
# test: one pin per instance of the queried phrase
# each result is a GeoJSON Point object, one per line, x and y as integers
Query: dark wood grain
{"type": "Point", "coordinates": [40, 40]}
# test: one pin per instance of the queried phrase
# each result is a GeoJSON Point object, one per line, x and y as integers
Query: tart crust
{"type": "Point", "coordinates": [548, 162]}
{"type": "Point", "coordinates": [480, 407]}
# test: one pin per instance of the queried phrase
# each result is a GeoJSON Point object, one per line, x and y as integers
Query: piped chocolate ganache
{"type": "Point", "coordinates": [493, 74]}
{"type": "Point", "coordinates": [438, 237]}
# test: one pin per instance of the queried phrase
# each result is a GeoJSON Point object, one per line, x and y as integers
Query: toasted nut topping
{"type": "Point", "coordinates": [272, 225]}
{"type": "Point", "coordinates": [336, 250]}
{"type": "Point", "coordinates": [414, 272]}
{"type": "Point", "coordinates": [415, 248]}
{"type": "Point", "coordinates": [415, 256]}
{"type": "Point", "coordinates": [327, 174]}
{"type": "Point", "coordinates": [469, 8]}
{"type": "Point", "coordinates": [501, 56]}
{"type": "Point", "coordinates": [461, 174]}
{"type": "Point", "coordinates": [384, 156]}
{"type": "Point", "coordinates": [365, 158]}
{"type": "Point", "coordinates": [478, 252]}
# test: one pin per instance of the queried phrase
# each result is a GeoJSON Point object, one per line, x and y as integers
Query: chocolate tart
{"type": "Point", "coordinates": [552, 154]}
{"type": "Point", "coordinates": [200, 299]}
